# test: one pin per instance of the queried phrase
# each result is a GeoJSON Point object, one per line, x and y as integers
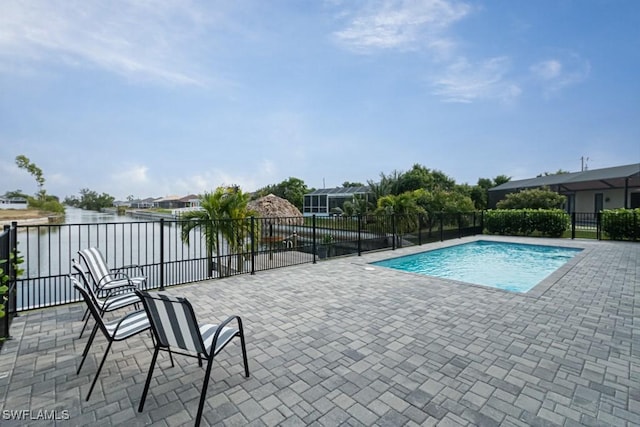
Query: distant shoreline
{"type": "Point", "coordinates": [26, 221]}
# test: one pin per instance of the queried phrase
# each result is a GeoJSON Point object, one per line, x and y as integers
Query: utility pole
{"type": "Point", "coordinates": [584, 161]}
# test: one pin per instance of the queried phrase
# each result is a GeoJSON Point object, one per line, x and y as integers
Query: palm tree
{"type": "Point", "coordinates": [207, 220]}
{"type": "Point", "coordinates": [223, 215]}
{"type": "Point", "coordinates": [405, 209]}
{"type": "Point", "coordinates": [237, 229]}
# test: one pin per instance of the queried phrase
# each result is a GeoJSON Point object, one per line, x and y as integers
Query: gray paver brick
{"type": "Point", "coordinates": [335, 343]}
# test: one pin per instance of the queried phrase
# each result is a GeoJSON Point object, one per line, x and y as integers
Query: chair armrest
{"type": "Point", "coordinates": [221, 326]}
{"type": "Point", "coordinates": [107, 280]}
{"type": "Point", "coordinates": [127, 268]}
{"type": "Point", "coordinates": [118, 290]}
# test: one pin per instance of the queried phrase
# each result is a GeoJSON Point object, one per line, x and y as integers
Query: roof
{"type": "Point", "coordinates": [340, 191]}
{"type": "Point", "coordinates": [189, 198]}
{"type": "Point", "coordinates": [167, 199]}
{"type": "Point", "coordinates": [595, 179]}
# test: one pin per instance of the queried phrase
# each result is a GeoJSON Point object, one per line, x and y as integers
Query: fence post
{"type": "Point", "coordinates": [393, 231]}
{"type": "Point", "coordinates": [573, 225]}
{"type": "Point", "coordinates": [162, 254]}
{"type": "Point", "coordinates": [7, 250]}
{"type": "Point", "coordinates": [459, 216]}
{"type": "Point", "coordinates": [13, 302]}
{"type": "Point", "coordinates": [598, 226]}
{"type": "Point", "coordinates": [253, 246]}
{"type": "Point", "coordinates": [419, 230]}
{"type": "Point", "coordinates": [314, 245]}
{"type": "Point", "coordinates": [441, 226]}
{"type": "Point", "coordinates": [359, 235]}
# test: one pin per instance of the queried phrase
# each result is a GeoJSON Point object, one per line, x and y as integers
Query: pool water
{"type": "Point", "coordinates": [512, 267]}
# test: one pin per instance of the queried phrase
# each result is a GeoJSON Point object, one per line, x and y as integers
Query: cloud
{"type": "Point", "coordinates": [466, 82]}
{"type": "Point", "coordinates": [547, 70]}
{"type": "Point", "coordinates": [403, 25]}
{"type": "Point", "coordinates": [134, 175]}
{"type": "Point", "coordinates": [556, 74]}
{"type": "Point", "coordinates": [142, 40]}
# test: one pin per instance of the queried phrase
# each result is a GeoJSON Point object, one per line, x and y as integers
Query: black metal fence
{"type": "Point", "coordinates": [169, 257]}
{"type": "Point", "coordinates": [8, 274]}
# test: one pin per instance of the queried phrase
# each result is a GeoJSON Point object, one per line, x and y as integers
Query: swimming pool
{"type": "Point", "coordinates": [515, 267]}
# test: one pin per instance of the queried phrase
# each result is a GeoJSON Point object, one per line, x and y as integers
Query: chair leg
{"type": "Point", "coordinates": [244, 352]}
{"type": "Point", "coordinates": [95, 380]}
{"type": "Point", "coordinates": [84, 327]}
{"type": "Point", "coordinates": [86, 347]}
{"type": "Point", "coordinates": [148, 381]}
{"type": "Point", "coordinates": [203, 395]}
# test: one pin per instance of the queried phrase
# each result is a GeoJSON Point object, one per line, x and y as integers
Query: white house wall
{"type": "Point", "coordinates": [612, 199]}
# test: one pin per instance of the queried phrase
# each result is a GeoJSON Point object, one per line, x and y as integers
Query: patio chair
{"type": "Point", "coordinates": [106, 279]}
{"type": "Point", "coordinates": [110, 302]}
{"type": "Point", "coordinates": [175, 328]}
{"type": "Point", "coordinates": [116, 330]}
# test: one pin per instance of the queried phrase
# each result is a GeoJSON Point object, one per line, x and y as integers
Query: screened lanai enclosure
{"type": "Point", "coordinates": [327, 201]}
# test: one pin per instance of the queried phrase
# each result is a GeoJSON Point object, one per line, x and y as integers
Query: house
{"type": "Point", "coordinates": [142, 203]}
{"type": "Point", "coordinates": [323, 202]}
{"type": "Point", "coordinates": [13, 203]}
{"type": "Point", "coordinates": [190, 201]}
{"type": "Point", "coordinates": [168, 202]}
{"type": "Point", "coordinates": [586, 191]}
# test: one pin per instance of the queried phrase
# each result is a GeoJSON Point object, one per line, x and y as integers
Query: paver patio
{"type": "Point", "coordinates": [341, 343]}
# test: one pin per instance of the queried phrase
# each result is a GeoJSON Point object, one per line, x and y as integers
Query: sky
{"type": "Point", "coordinates": [151, 98]}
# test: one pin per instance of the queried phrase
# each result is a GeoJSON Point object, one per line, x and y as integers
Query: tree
{"type": "Point", "coordinates": [24, 163]}
{"type": "Point", "coordinates": [292, 189]}
{"type": "Point", "coordinates": [405, 209]}
{"type": "Point", "coordinates": [238, 227]}
{"type": "Point", "coordinates": [348, 184]}
{"type": "Point", "coordinates": [480, 192]}
{"type": "Point", "coordinates": [537, 198]}
{"type": "Point", "coordinates": [71, 201]}
{"type": "Point", "coordinates": [441, 202]}
{"type": "Point", "coordinates": [42, 200]}
{"type": "Point", "coordinates": [422, 177]}
{"type": "Point", "coordinates": [558, 172]}
{"type": "Point", "coordinates": [358, 206]}
{"type": "Point", "coordinates": [501, 179]}
{"type": "Point", "coordinates": [222, 215]}
{"type": "Point", "coordinates": [388, 185]}
{"type": "Point", "coordinates": [15, 193]}
{"type": "Point", "coordinates": [90, 200]}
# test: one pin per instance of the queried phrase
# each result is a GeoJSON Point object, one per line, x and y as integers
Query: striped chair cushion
{"type": "Point", "coordinates": [101, 273]}
{"type": "Point", "coordinates": [131, 324]}
{"type": "Point", "coordinates": [175, 322]}
{"type": "Point", "coordinates": [208, 332]}
{"type": "Point", "coordinates": [118, 301]}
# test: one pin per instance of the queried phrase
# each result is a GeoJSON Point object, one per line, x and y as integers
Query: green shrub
{"type": "Point", "coordinates": [525, 222]}
{"type": "Point", "coordinates": [621, 224]}
{"type": "Point", "coordinates": [535, 198]}
{"type": "Point", "coordinates": [50, 204]}
{"type": "Point", "coordinates": [4, 278]}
